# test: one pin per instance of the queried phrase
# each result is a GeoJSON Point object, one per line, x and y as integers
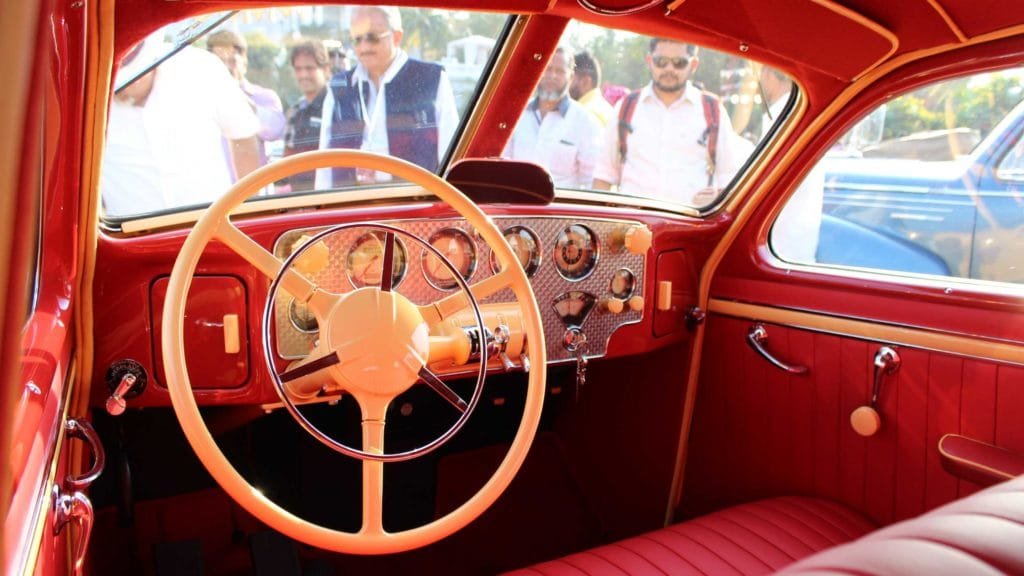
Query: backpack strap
{"type": "Point", "coordinates": [625, 123]}
{"type": "Point", "coordinates": [711, 117]}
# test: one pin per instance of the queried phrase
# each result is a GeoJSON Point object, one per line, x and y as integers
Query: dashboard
{"type": "Point", "coordinates": [587, 273]}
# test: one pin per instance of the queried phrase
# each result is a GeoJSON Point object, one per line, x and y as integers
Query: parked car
{"type": "Point", "coordinates": [436, 362]}
{"type": "Point", "coordinates": [965, 209]}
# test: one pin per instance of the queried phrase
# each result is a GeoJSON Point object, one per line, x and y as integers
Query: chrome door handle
{"type": "Point", "coordinates": [757, 337]}
{"type": "Point", "coordinates": [73, 507]}
{"type": "Point", "coordinates": [82, 430]}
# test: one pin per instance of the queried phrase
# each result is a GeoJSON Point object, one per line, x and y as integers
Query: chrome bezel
{"type": "Point", "coordinates": [398, 278]}
{"type": "Point", "coordinates": [632, 283]}
{"type": "Point", "coordinates": [595, 242]}
{"type": "Point", "coordinates": [536, 255]}
{"type": "Point", "coordinates": [295, 324]}
{"type": "Point", "coordinates": [424, 255]}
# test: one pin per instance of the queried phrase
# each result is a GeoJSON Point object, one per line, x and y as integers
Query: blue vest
{"type": "Point", "coordinates": [411, 116]}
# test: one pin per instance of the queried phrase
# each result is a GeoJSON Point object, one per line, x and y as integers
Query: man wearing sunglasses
{"type": "Point", "coordinates": [389, 103]}
{"type": "Point", "coordinates": [672, 141]}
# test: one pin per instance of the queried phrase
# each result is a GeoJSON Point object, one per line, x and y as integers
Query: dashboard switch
{"type": "Point", "coordinates": [636, 303]}
{"type": "Point", "coordinates": [614, 305]}
{"type": "Point", "coordinates": [635, 238]}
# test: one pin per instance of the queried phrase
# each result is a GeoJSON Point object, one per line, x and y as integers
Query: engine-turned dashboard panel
{"type": "Point", "coordinates": [587, 274]}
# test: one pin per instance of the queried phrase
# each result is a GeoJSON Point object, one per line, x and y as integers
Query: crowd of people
{"type": "Point", "coordinates": [189, 128]}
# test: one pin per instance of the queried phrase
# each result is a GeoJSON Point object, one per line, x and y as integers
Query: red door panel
{"type": "Point", "coordinates": [758, 431]}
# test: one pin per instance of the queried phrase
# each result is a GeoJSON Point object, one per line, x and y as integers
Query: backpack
{"type": "Point", "coordinates": [711, 118]}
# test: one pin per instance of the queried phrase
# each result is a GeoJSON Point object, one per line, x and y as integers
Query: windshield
{"type": "Point", "coordinates": [200, 103]}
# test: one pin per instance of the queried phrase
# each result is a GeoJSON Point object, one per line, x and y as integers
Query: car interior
{"type": "Point", "coordinates": [362, 358]}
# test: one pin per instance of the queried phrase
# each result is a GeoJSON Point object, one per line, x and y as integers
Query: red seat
{"type": "Point", "coordinates": [755, 538]}
{"type": "Point", "coordinates": [981, 534]}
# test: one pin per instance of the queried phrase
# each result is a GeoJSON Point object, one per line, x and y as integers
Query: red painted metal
{"type": "Point", "coordinates": [47, 337]}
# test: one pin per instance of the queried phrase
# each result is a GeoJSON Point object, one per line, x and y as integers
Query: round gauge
{"type": "Point", "coordinates": [622, 284]}
{"type": "Point", "coordinates": [575, 252]}
{"type": "Point", "coordinates": [526, 247]}
{"type": "Point", "coordinates": [302, 317]}
{"type": "Point", "coordinates": [458, 248]}
{"type": "Point", "coordinates": [365, 261]}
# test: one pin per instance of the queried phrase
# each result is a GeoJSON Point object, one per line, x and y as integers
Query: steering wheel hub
{"type": "Point", "coordinates": [382, 341]}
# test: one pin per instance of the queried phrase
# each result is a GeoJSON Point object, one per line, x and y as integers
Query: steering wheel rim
{"type": "Point", "coordinates": [371, 539]}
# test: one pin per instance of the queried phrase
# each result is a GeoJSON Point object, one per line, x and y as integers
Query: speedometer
{"type": "Point", "coordinates": [458, 248]}
{"type": "Point", "coordinates": [575, 252]}
{"type": "Point", "coordinates": [365, 261]}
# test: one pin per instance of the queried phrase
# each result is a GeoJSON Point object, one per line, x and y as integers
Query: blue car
{"type": "Point", "coordinates": [966, 212]}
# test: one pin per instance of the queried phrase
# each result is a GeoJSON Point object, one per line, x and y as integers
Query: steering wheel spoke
{"type": "Point", "coordinates": [293, 282]}
{"type": "Point", "coordinates": [374, 410]}
{"type": "Point", "coordinates": [450, 305]}
{"type": "Point", "coordinates": [438, 385]}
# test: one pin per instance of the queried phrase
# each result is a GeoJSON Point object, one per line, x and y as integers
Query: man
{"type": "Point", "coordinates": [672, 141]}
{"type": "Point", "coordinates": [555, 131]}
{"type": "Point", "coordinates": [166, 133]}
{"type": "Point", "coordinates": [232, 50]}
{"type": "Point", "coordinates": [796, 231]}
{"type": "Point", "coordinates": [586, 87]}
{"type": "Point", "coordinates": [311, 66]}
{"type": "Point", "coordinates": [390, 103]}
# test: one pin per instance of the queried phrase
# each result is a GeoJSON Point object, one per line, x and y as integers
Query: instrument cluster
{"type": "Point", "coordinates": [587, 274]}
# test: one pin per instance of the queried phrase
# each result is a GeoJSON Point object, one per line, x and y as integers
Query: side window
{"type": "Point", "coordinates": [929, 183]}
{"type": "Point", "coordinates": [646, 117]}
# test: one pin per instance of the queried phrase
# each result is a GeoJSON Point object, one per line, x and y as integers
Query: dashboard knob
{"type": "Point", "coordinates": [636, 303]}
{"type": "Point", "coordinates": [638, 239]}
{"type": "Point", "coordinates": [614, 305]}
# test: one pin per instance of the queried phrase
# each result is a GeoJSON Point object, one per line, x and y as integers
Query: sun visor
{"type": "Point", "coordinates": [819, 34]}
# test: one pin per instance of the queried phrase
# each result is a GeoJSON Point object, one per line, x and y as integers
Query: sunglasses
{"type": "Point", "coordinates": [663, 61]}
{"type": "Point", "coordinates": [370, 38]}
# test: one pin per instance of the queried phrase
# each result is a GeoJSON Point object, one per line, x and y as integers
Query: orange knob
{"type": "Point", "coordinates": [638, 239]}
{"type": "Point", "coordinates": [865, 421]}
{"type": "Point", "coordinates": [614, 305]}
{"type": "Point", "coordinates": [636, 303]}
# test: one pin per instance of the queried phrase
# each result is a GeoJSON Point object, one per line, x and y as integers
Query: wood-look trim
{"type": "Point", "coordinates": [473, 125]}
{"type": "Point", "coordinates": [97, 87]}
{"type": "Point", "coordinates": [953, 27]}
{"type": "Point", "coordinates": [932, 340]}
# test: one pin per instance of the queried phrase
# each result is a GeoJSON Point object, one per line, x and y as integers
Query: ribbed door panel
{"type": "Point", "coordinates": [760, 432]}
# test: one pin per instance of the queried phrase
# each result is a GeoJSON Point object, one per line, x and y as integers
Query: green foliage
{"type": "Point", "coordinates": [978, 102]}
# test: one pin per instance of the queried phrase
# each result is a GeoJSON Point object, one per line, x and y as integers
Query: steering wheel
{"type": "Point", "coordinates": [396, 353]}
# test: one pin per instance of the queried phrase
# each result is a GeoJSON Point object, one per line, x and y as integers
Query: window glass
{"type": "Point", "coordinates": [644, 117]}
{"type": "Point", "coordinates": [271, 82]}
{"type": "Point", "coordinates": [928, 183]}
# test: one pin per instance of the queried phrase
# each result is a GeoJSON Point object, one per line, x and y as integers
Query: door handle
{"type": "Point", "coordinates": [70, 504]}
{"type": "Point", "coordinates": [757, 337]}
{"type": "Point", "coordinates": [82, 430]}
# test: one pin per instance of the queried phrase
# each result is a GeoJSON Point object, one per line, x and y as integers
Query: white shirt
{"type": "Point", "coordinates": [795, 233]}
{"type": "Point", "coordinates": [666, 156]}
{"type": "Point", "coordinates": [168, 152]}
{"type": "Point", "coordinates": [564, 141]}
{"type": "Point", "coordinates": [375, 129]}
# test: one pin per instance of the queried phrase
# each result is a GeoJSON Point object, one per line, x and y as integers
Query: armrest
{"type": "Point", "coordinates": [978, 462]}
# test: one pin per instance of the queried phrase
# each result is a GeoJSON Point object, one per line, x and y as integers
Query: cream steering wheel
{"type": "Point", "coordinates": [396, 319]}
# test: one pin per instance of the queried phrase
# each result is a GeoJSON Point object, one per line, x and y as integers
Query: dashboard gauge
{"type": "Point", "coordinates": [458, 248]}
{"type": "Point", "coordinates": [365, 261]}
{"type": "Point", "coordinates": [526, 247]}
{"type": "Point", "coordinates": [575, 252]}
{"type": "Point", "coordinates": [574, 306]}
{"type": "Point", "coordinates": [623, 283]}
{"type": "Point", "coordinates": [302, 317]}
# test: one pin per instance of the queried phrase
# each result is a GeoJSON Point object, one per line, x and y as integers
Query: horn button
{"type": "Point", "coordinates": [382, 340]}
